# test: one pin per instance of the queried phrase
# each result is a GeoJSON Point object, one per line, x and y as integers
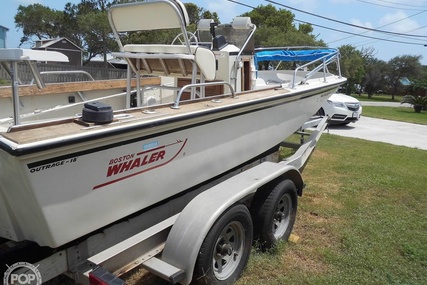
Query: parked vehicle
{"type": "Point", "coordinates": [342, 109]}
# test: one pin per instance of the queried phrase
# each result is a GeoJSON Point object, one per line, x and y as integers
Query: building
{"type": "Point", "coordinates": [3, 31]}
{"type": "Point", "coordinates": [63, 45]}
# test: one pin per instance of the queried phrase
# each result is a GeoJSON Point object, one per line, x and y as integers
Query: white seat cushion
{"type": "Point", "coordinates": [204, 58]}
{"type": "Point", "coordinates": [172, 49]}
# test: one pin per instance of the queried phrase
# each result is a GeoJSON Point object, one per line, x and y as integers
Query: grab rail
{"type": "Point", "coordinates": [178, 98]}
{"type": "Point", "coordinates": [59, 72]}
{"type": "Point", "coordinates": [326, 60]}
{"type": "Point", "coordinates": [321, 57]}
{"type": "Point", "coordinates": [60, 108]}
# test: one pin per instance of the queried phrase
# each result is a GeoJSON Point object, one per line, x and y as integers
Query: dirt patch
{"type": "Point", "coordinates": [304, 262]}
{"type": "Point", "coordinates": [140, 276]}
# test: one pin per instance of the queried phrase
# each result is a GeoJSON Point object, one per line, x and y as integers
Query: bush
{"type": "Point", "coordinates": [418, 102]}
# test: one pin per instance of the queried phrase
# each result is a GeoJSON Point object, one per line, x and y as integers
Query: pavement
{"type": "Point", "coordinates": [393, 132]}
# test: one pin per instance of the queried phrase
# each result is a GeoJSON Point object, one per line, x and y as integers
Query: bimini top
{"type": "Point", "coordinates": [304, 55]}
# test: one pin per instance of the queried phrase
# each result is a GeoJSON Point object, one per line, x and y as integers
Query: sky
{"type": "Point", "coordinates": [336, 22]}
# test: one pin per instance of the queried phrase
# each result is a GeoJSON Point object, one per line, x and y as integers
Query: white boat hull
{"type": "Point", "coordinates": [62, 193]}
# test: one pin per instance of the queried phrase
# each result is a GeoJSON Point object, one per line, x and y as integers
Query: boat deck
{"type": "Point", "coordinates": [32, 133]}
{"type": "Point", "coordinates": [68, 87]}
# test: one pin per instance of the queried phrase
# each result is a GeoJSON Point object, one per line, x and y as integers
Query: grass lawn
{"type": "Point", "coordinates": [361, 220]}
{"type": "Point", "coordinates": [402, 114]}
{"type": "Point", "coordinates": [378, 98]}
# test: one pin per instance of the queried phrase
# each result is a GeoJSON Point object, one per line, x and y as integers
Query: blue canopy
{"type": "Point", "coordinates": [293, 55]}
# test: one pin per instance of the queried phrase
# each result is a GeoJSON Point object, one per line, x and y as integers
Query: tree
{"type": "Point", "coordinates": [417, 102]}
{"type": "Point", "coordinates": [399, 67]}
{"type": "Point", "coordinates": [194, 12]}
{"type": "Point", "coordinates": [305, 28]}
{"type": "Point", "coordinates": [85, 24]}
{"type": "Point", "coordinates": [275, 28]}
{"type": "Point", "coordinates": [38, 21]}
{"type": "Point", "coordinates": [375, 76]}
{"type": "Point", "coordinates": [206, 14]}
{"type": "Point", "coordinates": [94, 28]}
{"type": "Point", "coordinates": [419, 86]}
{"type": "Point", "coordinates": [352, 66]}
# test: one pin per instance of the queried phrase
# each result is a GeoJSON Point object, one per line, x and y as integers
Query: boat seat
{"type": "Point", "coordinates": [170, 60]}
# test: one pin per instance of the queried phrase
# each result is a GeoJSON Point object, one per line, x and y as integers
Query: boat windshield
{"type": "Point", "coordinates": [232, 36]}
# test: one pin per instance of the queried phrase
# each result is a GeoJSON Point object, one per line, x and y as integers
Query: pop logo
{"type": "Point", "coordinates": [27, 274]}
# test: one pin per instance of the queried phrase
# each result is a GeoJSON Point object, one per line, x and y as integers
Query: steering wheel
{"type": "Point", "coordinates": [179, 39]}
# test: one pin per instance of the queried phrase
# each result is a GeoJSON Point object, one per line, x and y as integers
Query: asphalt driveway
{"type": "Point", "coordinates": [397, 133]}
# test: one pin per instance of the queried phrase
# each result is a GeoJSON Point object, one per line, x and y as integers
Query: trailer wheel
{"type": "Point", "coordinates": [274, 215]}
{"type": "Point", "coordinates": [226, 248]}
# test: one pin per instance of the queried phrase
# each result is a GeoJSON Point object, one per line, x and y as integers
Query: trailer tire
{"type": "Point", "coordinates": [274, 214]}
{"type": "Point", "coordinates": [226, 248]}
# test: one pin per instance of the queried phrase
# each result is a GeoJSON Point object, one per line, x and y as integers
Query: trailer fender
{"type": "Point", "coordinates": [194, 222]}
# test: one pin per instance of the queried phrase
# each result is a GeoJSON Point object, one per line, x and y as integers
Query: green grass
{"type": "Point", "coordinates": [361, 220]}
{"type": "Point", "coordinates": [402, 114]}
{"type": "Point", "coordinates": [378, 98]}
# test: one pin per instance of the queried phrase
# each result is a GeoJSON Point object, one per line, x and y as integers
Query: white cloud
{"type": "Point", "coordinates": [341, 1]}
{"type": "Point", "coordinates": [226, 10]}
{"type": "Point", "coordinates": [306, 5]}
{"type": "Point", "coordinates": [358, 22]}
{"type": "Point", "coordinates": [26, 2]}
{"type": "Point", "coordinates": [398, 22]}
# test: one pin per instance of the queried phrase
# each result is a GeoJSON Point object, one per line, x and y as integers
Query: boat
{"type": "Point", "coordinates": [109, 162]}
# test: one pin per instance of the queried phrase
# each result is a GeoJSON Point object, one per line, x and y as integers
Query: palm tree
{"type": "Point", "coordinates": [418, 102]}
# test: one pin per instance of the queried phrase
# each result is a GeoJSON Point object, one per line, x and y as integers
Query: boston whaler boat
{"type": "Point", "coordinates": [61, 179]}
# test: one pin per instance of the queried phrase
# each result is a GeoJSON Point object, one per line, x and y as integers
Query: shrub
{"type": "Point", "coordinates": [418, 102]}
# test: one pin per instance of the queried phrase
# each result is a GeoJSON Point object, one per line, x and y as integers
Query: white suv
{"type": "Point", "coordinates": [343, 109]}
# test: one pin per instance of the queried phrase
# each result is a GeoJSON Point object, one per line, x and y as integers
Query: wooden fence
{"type": "Point", "coordinates": [26, 77]}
